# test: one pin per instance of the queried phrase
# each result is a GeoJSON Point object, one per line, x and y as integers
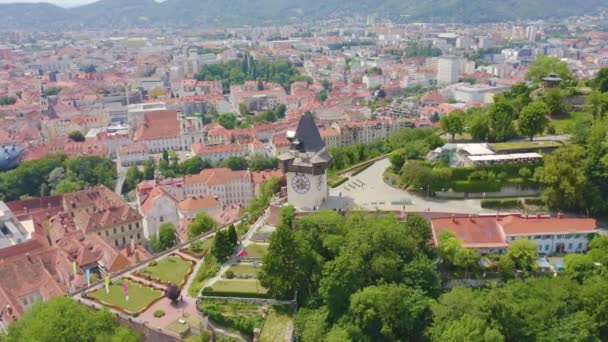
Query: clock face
{"type": "Point", "coordinates": [300, 184]}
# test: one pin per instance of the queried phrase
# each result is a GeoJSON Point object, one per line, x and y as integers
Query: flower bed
{"type": "Point", "coordinates": [172, 270]}
{"type": "Point", "coordinates": [141, 297]}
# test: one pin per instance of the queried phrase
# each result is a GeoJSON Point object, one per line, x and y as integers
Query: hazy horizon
{"type": "Point", "coordinates": [62, 3]}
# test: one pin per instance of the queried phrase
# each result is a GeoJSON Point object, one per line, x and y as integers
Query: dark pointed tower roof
{"type": "Point", "coordinates": [307, 137]}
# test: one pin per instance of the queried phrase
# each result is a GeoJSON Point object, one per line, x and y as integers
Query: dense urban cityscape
{"type": "Point", "coordinates": [355, 176]}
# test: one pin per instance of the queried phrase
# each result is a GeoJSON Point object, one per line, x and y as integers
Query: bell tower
{"type": "Point", "coordinates": [305, 164]}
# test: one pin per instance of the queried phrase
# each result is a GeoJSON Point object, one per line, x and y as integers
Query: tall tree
{"type": "Point", "coordinates": [533, 120]}
{"type": "Point", "coordinates": [564, 175]}
{"type": "Point", "coordinates": [453, 123]}
{"type": "Point", "coordinates": [222, 247]}
{"type": "Point", "coordinates": [500, 120]}
{"type": "Point", "coordinates": [232, 236]}
{"type": "Point", "coordinates": [132, 178]}
{"type": "Point", "coordinates": [149, 168]}
{"type": "Point", "coordinates": [521, 255]}
{"type": "Point", "coordinates": [281, 269]}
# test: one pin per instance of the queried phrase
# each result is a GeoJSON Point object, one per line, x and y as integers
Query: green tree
{"type": "Point", "coordinates": [322, 96]}
{"type": "Point", "coordinates": [149, 168]}
{"type": "Point", "coordinates": [533, 119]}
{"type": "Point", "coordinates": [66, 186]}
{"type": "Point", "coordinates": [453, 123]}
{"type": "Point", "coordinates": [597, 104]}
{"type": "Point", "coordinates": [390, 312]}
{"type": "Point", "coordinates": [232, 236]}
{"type": "Point", "coordinates": [469, 328]}
{"type": "Point", "coordinates": [222, 247]}
{"type": "Point", "coordinates": [76, 136]}
{"type": "Point", "coordinates": [500, 120]}
{"type": "Point", "coordinates": [227, 120]}
{"type": "Point", "coordinates": [62, 319]}
{"type": "Point", "coordinates": [202, 223]}
{"type": "Point", "coordinates": [167, 238]}
{"type": "Point", "coordinates": [600, 82]}
{"type": "Point", "coordinates": [259, 162]}
{"type": "Point", "coordinates": [194, 165]}
{"type": "Point", "coordinates": [564, 175]}
{"type": "Point", "coordinates": [311, 324]}
{"type": "Point", "coordinates": [132, 178]}
{"type": "Point", "coordinates": [478, 126]}
{"type": "Point", "coordinates": [281, 270]}
{"type": "Point", "coordinates": [234, 163]}
{"type": "Point", "coordinates": [288, 215]}
{"type": "Point", "coordinates": [544, 65]}
{"type": "Point", "coordinates": [580, 266]}
{"type": "Point", "coordinates": [522, 255]}
{"type": "Point", "coordinates": [554, 99]}
{"type": "Point", "coordinates": [243, 109]}
{"type": "Point", "coordinates": [397, 160]}
{"type": "Point", "coordinates": [421, 274]}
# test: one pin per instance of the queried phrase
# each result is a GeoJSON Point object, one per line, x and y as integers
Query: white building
{"type": "Point", "coordinates": [449, 69]}
{"type": "Point", "coordinates": [12, 231]}
{"type": "Point", "coordinates": [227, 186]}
{"type": "Point", "coordinates": [477, 93]}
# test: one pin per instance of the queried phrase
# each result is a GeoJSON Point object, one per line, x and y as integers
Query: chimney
{"type": "Point", "coordinates": [560, 215]}
{"type": "Point", "coordinates": [26, 209]}
{"type": "Point", "coordinates": [29, 258]}
{"type": "Point", "coordinates": [538, 216]}
{"type": "Point", "coordinates": [453, 218]}
{"type": "Point", "coordinates": [470, 217]}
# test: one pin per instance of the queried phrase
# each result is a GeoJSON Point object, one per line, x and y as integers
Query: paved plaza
{"type": "Point", "coordinates": [369, 191]}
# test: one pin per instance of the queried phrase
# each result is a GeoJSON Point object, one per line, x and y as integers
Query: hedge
{"type": "Point", "coordinates": [476, 186]}
{"type": "Point", "coordinates": [534, 201]}
{"type": "Point", "coordinates": [512, 170]}
{"type": "Point", "coordinates": [500, 204]}
{"type": "Point", "coordinates": [209, 292]}
{"type": "Point", "coordinates": [337, 182]}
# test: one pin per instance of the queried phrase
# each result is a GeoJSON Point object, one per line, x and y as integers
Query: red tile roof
{"type": "Point", "coordinates": [162, 124]}
{"type": "Point", "coordinates": [517, 225]}
{"type": "Point", "coordinates": [475, 232]}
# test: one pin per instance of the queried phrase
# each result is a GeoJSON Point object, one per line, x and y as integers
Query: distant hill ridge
{"type": "Point", "coordinates": [235, 12]}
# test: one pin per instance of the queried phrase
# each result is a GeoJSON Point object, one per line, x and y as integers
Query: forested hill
{"type": "Point", "coordinates": [234, 12]}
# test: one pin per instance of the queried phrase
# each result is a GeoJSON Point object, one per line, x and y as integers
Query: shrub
{"type": "Point", "coordinates": [500, 204]}
{"type": "Point", "coordinates": [534, 201]}
{"type": "Point", "coordinates": [153, 263]}
{"type": "Point", "coordinates": [159, 313]}
{"type": "Point", "coordinates": [209, 291]}
{"type": "Point", "coordinates": [229, 274]}
{"type": "Point", "coordinates": [242, 323]}
{"type": "Point", "coordinates": [476, 186]}
{"type": "Point", "coordinates": [196, 246]}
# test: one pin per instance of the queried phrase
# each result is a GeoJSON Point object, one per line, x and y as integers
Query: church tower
{"type": "Point", "coordinates": [305, 164]}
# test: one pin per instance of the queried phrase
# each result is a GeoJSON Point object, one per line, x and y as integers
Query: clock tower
{"type": "Point", "coordinates": [305, 164]}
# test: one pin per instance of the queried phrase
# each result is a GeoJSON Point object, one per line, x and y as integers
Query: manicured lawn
{"type": "Point", "coordinates": [257, 250]}
{"type": "Point", "coordinates": [239, 286]}
{"type": "Point", "coordinates": [242, 269]}
{"type": "Point", "coordinates": [171, 270]}
{"type": "Point", "coordinates": [517, 145]}
{"type": "Point", "coordinates": [205, 245]}
{"type": "Point", "coordinates": [566, 124]}
{"type": "Point", "coordinates": [278, 324]}
{"type": "Point", "coordinates": [140, 296]}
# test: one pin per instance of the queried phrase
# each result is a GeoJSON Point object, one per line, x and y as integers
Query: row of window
{"type": "Point", "coordinates": [547, 237]}
{"type": "Point", "coordinates": [569, 247]}
{"type": "Point", "coordinates": [122, 229]}
{"type": "Point", "coordinates": [124, 240]}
